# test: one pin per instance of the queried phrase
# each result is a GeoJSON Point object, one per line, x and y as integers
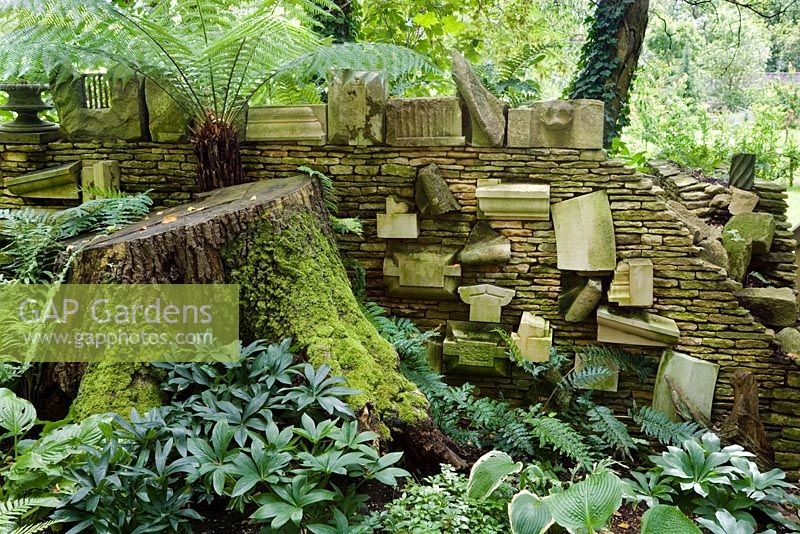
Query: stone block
{"type": "Point", "coordinates": [513, 201]}
{"type": "Point", "coordinates": [485, 247]}
{"type": "Point", "coordinates": [356, 108]}
{"type": "Point", "coordinates": [276, 124]}
{"type": "Point", "coordinates": [696, 379]}
{"type": "Point", "coordinates": [486, 119]}
{"type": "Point", "coordinates": [609, 383]}
{"type": "Point", "coordinates": [474, 348]}
{"type": "Point", "coordinates": [633, 283]}
{"type": "Point", "coordinates": [579, 296]}
{"type": "Point", "coordinates": [397, 222]}
{"type": "Point", "coordinates": [485, 301]}
{"type": "Point", "coordinates": [584, 229]}
{"type": "Point", "coordinates": [771, 305]}
{"type": "Point", "coordinates": [758, 228]}
{"type": "Point", "coordinates": [168, 122]}
{"type": "Point", "coordinates": [789, 340]}
{"type": "Point", "coordinates": [742, 201]}
{"type": "Point", "coordinates": [421, 271]}
{"type": "Point", "coordinates": [635, 328]}
{"type": "Point", "coordinates": [699, 229]}
{"type": "Point", "coordinates": [124, 120]}
{"type": "Point", "coordinates": [29, 138]}
{"type": "Point", "coordinates": [432, 194]}
{"type": "Point", "coordinates": [534, 337]}
{"type": "Point", "coordinates": [434, 121]}
{"type": "Point", "coordinates": [57, 183]}
{"type": "Point", "coordinates": [714, 252]}
{"type": "Point", "coordinates": [557, 124]}
{"type": "Point", "coordinates": [100, 176]}
{"type": "Point", "coordinates": [742, 172]}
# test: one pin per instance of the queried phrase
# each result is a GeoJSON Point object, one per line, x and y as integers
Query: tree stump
{"type": "Point", "coordinates": [743, 425]}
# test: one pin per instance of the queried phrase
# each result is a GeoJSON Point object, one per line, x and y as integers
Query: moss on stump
{"type": "Point", "coordinates": [117, 387]}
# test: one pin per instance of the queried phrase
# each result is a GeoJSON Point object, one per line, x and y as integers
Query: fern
{"type": "Point", "coordinates": [14, 511]}
{"type": "Point", "coordinates": [585, 378]}
{"type": "Point", "coordinates": [616, 357]}
{"type": "Point", "coordinates": [611, 430]}
{"type": "Point", "coordinates": [561, 437]}
{"type": "Point", "coordinates": [657, 425]}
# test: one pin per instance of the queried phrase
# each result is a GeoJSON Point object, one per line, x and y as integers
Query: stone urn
{"type": "Point", "coordinates": [26, 100]}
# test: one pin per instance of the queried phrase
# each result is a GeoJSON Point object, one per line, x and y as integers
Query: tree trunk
{"type": "Point", "coordinates": [743, 424]}
{"type": "Point", "coordinates": [216, 148]}
{"type": "Point", "coordinates": [273, 239]}
{"type": "Point", "coordinates": [610, 57]}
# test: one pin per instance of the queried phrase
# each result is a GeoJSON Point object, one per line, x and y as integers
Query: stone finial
{"type": "Point", "coordinates": [432, 121]}
{"type": "Point", "coordinates": [742, 172]}
{"type": "Point", "coordinates": [486, 112]}
{"type": "Point", "coordinates": [584, 229]}
{"type": "Point", "coordinates": [688, 379]}
{"type": "Point", "coordinates": [475, 349]}
{"type": "Point", "coordinates": [100, 176]}
{"type": "Point", "coordinates": [485, 246]}
{"type": "Point", "coordinates": [513, 200]}
{"type": "Point", "coordinates": [635, 328]}
{"type": "Point", "coordinates": [485, 301]}
{"type": "Point", "coordinates": [59, 183]}
{"type": "Point", "coordinates": [432, 194]}
{"type": "Point", "coordinates": [557, 124]}
{"type": "Point", "coordinates": [579, 298]}
{"type": "Point", "coordinates": [633, 283]}
{"type": "Point", "coordinates": [397, 222]}
{"type": "Point", "coordinates": [305, 124]}
{"type": "Point", "coordinates": [356, 104]}
{"type": "Point", "coordinates": [534, 337]}
{"type": "Point", "coordinates": [421, 271]}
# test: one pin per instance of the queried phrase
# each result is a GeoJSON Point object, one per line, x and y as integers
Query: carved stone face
{"type": "Point", "coordinates": [558, 115]}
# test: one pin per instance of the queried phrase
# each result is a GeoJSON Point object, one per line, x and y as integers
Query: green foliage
{"type": "Point", "coordinates": [13, 515]}
{"type": "Point", "coordinates": [657, 425]}
{"type": "Point", "coordinates": [527, 513]}
{"type": "Point", "coordinates": [340, 226]}
{"type": "Point", "coordinates": [488, 473]}
{"type": "Point", "coordinates": [17, 416]}
{"type": "Point", "coordinates": [663, 519]}
{"type": "Point", "coordinates": [507, 78]}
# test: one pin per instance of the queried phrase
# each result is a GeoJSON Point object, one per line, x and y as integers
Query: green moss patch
{"type": "Point", "coordinates": [117, 387]}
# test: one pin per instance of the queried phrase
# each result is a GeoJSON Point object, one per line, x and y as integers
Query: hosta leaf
{"type": "Point", "coordinates": [587, 504]}
{"type": "Point", "coordinates": [663, 519]}
{"type": "Point", "coordinates": [528, 514]}
{"type": "Point", "coordinates": [489, 472]}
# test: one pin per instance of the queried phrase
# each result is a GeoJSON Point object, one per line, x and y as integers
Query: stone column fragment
{"type": "Point", "coordinates": [633, 283]}
{"type": "Point", "coordinates": [534, 337]}
{"type": "Point", "coordinates": [485, 301]}
{"type": "Point", "coordinates": [356, 106]}
{"type": "Point", "coordinates": [424, 122]}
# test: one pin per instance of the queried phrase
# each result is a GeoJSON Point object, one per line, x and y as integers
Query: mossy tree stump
{"type": "Point", "coordinates": [274, 240]}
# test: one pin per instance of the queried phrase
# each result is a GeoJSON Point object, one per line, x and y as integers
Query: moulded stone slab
{"type": "Point", "coordinates": [432, 194]}
{"type": "Point", "coordinates": [773, 306]}
{"type": "Point", "coordinates": [59, 183]}
{"type": "Point", "coordinates": [514, 201]}
{"type": "Point", "coordinates": [100, 176]}
{"type": "Point", "coordinates": [585, 234]}
{"type": "Point", "coordinates": [485, 301]}
{"type": "Point", "coordinates": [485, 246]}
{"type": "Point", "coordinates": [474, 348]}
{"type": "Point", "coordinates": [356, 108]}
{"type": "Point", "coordinates": [557, 124]}
{"type": "Point", "coordinates": [305, 124]}
{"type": "Point", "coordinates": [397, 223]}
{"type": "Point", "coordinates": [611, 383]}
{"type": "Point", "coordinates": [579, 297]}
{"type": "Point", "coordinates": [534, 337]}
{"type": "Point", "coordinates": [29, 138]}
{"type": "Point", "coordinates": [167, 121]}
{"type": "Point", "coordinates": [635, 328]}
{"type": "Point", "coordinates": [423, 271]}
{"type": "Point", "coordinates": [486, 120]}
{"type": "Point", "coordinates": [633, 283]}
{"type": "Point", "coordinates": [696, 378]}
{"type": "Point", "coordinates": [432, 121]}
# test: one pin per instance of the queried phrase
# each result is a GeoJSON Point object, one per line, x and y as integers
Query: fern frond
{"type": "Point", "coordinates": [613, 356]}
{"type": "Point", "coordinates": [586, 378]}
{"type": "Point", "coordinates": [611, 430]}
{"type": "Point", "coordinates": [657, 425]}
{"type": "Point", "coordinates": [33, 528]}
{"type": "Point", "coordinates": [561, 437]}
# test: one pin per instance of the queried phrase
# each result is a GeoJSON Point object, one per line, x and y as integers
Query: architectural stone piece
{"type": "Point", "coordinates": [25, 99]}
{"type": "Point", "coordinates": [475, 349]}
{"type": "Point", "coordinates": [759, 228]}
{"type": "Point", "coordinates": [739, 251]}
{"type": "Point", "coordinates": [168, 123]}
{"type": "Point", "coordinates": [513, 201]}
{"type": "Point", "coordinates": [397, 223]}
{"type": "Point", "coordinates": [100, 176]}
{"type": "Point", "coordinates": [432, 194]}
{"type": "Point", "coordinates": [789, 340]}
{"type": "Point", "coordinates": [742, 201]}
{"type": "Point", "coordinates": [534, 337]}
{"type": "Point", "coordinates": [635, 328]}
{"type": "Point", "coordinates": [771, 305]}
{"type": "Point", "coordinates": [579, 296]}
{"type": "Point", "coordinates": [125, 119]}
{"type": "Point", "coordinates": [610, 383]}
{"type": "Point", "coordinates": [485, 246]}
{"type": "Point", "coordinates": [585, 234]}
{"type": "Point", "coordinates": [696, 379]}
{"type": "Point", "coordinates": [557, 124]}
{"type": "Point", "coordinates": [633, 283]}
{"type": "Point", "coordinates": [485, 301]}
{"type": "Point", "coordinates": [742, 173]}
{"type": "Point", "coordinates": [356, 105]}
{"type": "Point", "coordinates": [432, 121]}
{"type": "Point", "coordinates": [714, 253]}
{"type": "Point", "coordinates": [421, 271]}
{"type": "Point", "coordinates": [305, 124]}
{"type": "Point", "coordinates": [58, 183]}
{"type": "Point", "coordinates": [486, 121]}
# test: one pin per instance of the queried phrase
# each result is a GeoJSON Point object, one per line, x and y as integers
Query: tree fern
{"type": "Point", "coordinates": [657, 425]}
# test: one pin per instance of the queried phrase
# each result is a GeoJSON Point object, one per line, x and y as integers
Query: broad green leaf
{"type": "Point", "coordinates": [528, 514]}
{"type": "Point", "coordinates": [663, 519]}
{"type": "Point", "coordinates": [587, 504]}
{"type": "Point", "coordinates": [489, 472]}
{"type": "Point", "coordinates": [426, 20]}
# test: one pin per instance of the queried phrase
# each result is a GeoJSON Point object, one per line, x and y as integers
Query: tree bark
{"type": "Point", "coordinates": [743, 424]}
{"type": "Point", "coordinates": [610, 57]}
